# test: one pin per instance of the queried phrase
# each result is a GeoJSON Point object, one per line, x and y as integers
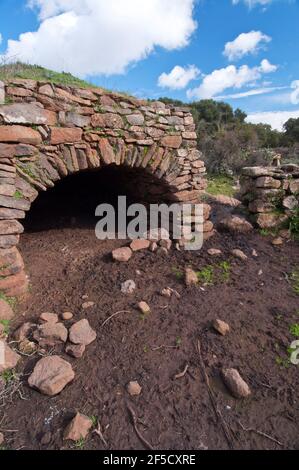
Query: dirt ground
{"type": "Point", "coordinates": [66, 262]}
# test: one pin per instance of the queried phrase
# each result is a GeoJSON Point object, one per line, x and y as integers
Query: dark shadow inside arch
{"type": "Point", "coordinates": [73, 200]}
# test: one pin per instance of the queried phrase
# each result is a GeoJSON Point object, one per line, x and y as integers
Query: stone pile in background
{"type": "Point", "coordinates": [271, 194]}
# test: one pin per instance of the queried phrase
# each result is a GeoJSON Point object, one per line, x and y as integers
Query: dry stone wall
{"type": "Point", "coordinates": [50, 131]}
{"type": "Point", "coordinates": [271, 194]}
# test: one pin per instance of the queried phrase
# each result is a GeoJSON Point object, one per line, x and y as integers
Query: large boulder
{"type": "Point", "coordinates": [50, 375]}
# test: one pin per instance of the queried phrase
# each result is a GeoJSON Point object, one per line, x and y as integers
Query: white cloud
{"type": "Point", "coordinates": [253, 3]}
{"type": "Point", "coordinates": [245, 94]}
{"type": "Point", "coordinates": [267, 67]}
{"type": "Point", "coordinates": [275, 118]}
{"type": "Point", "coordinates": [245, 43]}
{"type": "Point", "coordinates": [295, 93]}
{"type": "Point", "coordinates": [179, 77]}
{"type": "Point", "coordinates": [90, 37]}
{"type": "Point", "coordinates": [229, 77]}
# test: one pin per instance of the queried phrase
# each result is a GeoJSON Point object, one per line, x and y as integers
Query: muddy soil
{"type": "Point", "coordinates": [67, 263]}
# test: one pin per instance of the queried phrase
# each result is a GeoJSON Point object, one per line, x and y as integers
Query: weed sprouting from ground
{"type": "Point", "coordinates": [294, 330]}
{"type": "Point", "coordinates": [226, 269]}
{"type": "Point", "coordinates": [79, 445]}
{"type": "Point", "coordinates": [295, 280]}
{"type": "Point", "coordinates": [178, 274]}
{"type": "Point", "coordinates": [206, 275]}
{"type": "Point", "coordinates": [12, 301]}
{"type": "Point", "coordinates": [13, 387]}
{"type": "Point", "coordinates": [220, 184]}
{"type": "Point", "coordinates": [6, 324]}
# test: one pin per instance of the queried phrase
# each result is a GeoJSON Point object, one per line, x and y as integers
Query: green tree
{"type": "Point", "coordinates": [291, 128]}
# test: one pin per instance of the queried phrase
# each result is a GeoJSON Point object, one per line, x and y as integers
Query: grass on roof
{"type": "Point", "coordinates": [35, 72]}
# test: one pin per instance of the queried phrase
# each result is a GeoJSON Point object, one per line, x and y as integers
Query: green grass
{"type": "Point", "coordinates": [178, 274]}
{"type": "Point", "coordinates": [18, 195]}
{"type": "Point", "coordinates": [294, 224]}
{"type": "Point", "coordinates": [225, 268]}
{"type": "Point", "coordinates": [12, 301]}
{"type": "Point", "coordinates": [35, 72]}
{"type": "Point", "coordinates": [211, 274]}
{"type": "Point", "coordinates": [220, 184]}
{"type": "Point", "coordinates": [94, 420]}
{"type": "Point", "coordinates": [206, 275]}
{"type": "Point", "coordinates": [6, 324]}
{"type": "Point", "coordinates": [295, 280]}
{"type": "Point", "coordinates": [8, 376]}
{"type": "Point", "coordinates": [294, 330]}
{"type": "Point", "coordinates": [79, 445]}
{"type": "Point", "coordinates": [266, 232]}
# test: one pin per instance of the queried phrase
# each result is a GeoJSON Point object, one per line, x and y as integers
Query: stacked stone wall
{"type": "Point", "coordinates": [271, 194]}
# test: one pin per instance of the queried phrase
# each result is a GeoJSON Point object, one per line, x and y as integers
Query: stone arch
{"type": "Point", "coordinates": [48, 132]}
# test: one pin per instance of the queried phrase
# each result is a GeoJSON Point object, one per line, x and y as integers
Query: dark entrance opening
{"type": "Point", "coordinates": [73, 200]}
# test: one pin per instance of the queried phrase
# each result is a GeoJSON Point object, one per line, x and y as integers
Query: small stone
{"type": "Point", "coordinates": [78, 428]}
{"type": "Point", "coordinates": [165, 244]}
{"type": "Point", "coordinates": [290, 203]}
{"type": "Point", "coordinates": [6, 312]}
{"type": "Point", "coordinates": [49, 317]}
{"type": "Point", "coordinates": [87, 305]}
{"type": "Point", "coordinates": [144, 308]}
{"type": "Point", "coordinates": [190, 277]}
{"type": "Point", "coordinates": [156, 234]}
{"type": "Point", "coordinates": [235, 224]}
{"type": "Point", "coordinates": [162, 251]}
{"type": "Point", "coordinates": [23, 331]}
{"type": "Point", "coordinates": [50, 375]}
{"type": "Point", "coordinates": [27, 347]}
{"type": "Point", "coordinates": [66, 316]}
{"type": "Point", "coordinates": [285, 233]}
{"type": "Point", "coordinates": [75, 350]}
{"type": "Point", "coordinates": [140, 244]}
{"type": "Point", "coordinates": [254, 253]}
{"type": "Point", "coordinates": [277, 241]}
{"type": "Point", "coordinates": [214, 252]}
{"type": "Point", "coordinates": [128, 287]}
{"type": "Point", "coordinates": [82, 333]}
{"type": "Point", "coordinates": [134, 388]}
{"type": "Point", "coordinates": [9, 359]}
{"type": "Point", "coordinates": [122, 254]}
{"type": "Point", "coordinates": [221, 326]}
{"type": "Point", "coordinates": [235, 383]}
{"type": "Point", "coordinates": [1, 438]}
{"type": "Point", "coordinates": [240, 255]}
{"type": "Point", "coordinates": [153, 247]}
{"type": "Point", "coordinates": [166, 293]}
{"type": "Point", "coordinates": [49, 334]}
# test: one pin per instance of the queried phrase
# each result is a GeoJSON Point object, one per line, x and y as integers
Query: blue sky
{"type": "Point", "coordinates": [244, 52]}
